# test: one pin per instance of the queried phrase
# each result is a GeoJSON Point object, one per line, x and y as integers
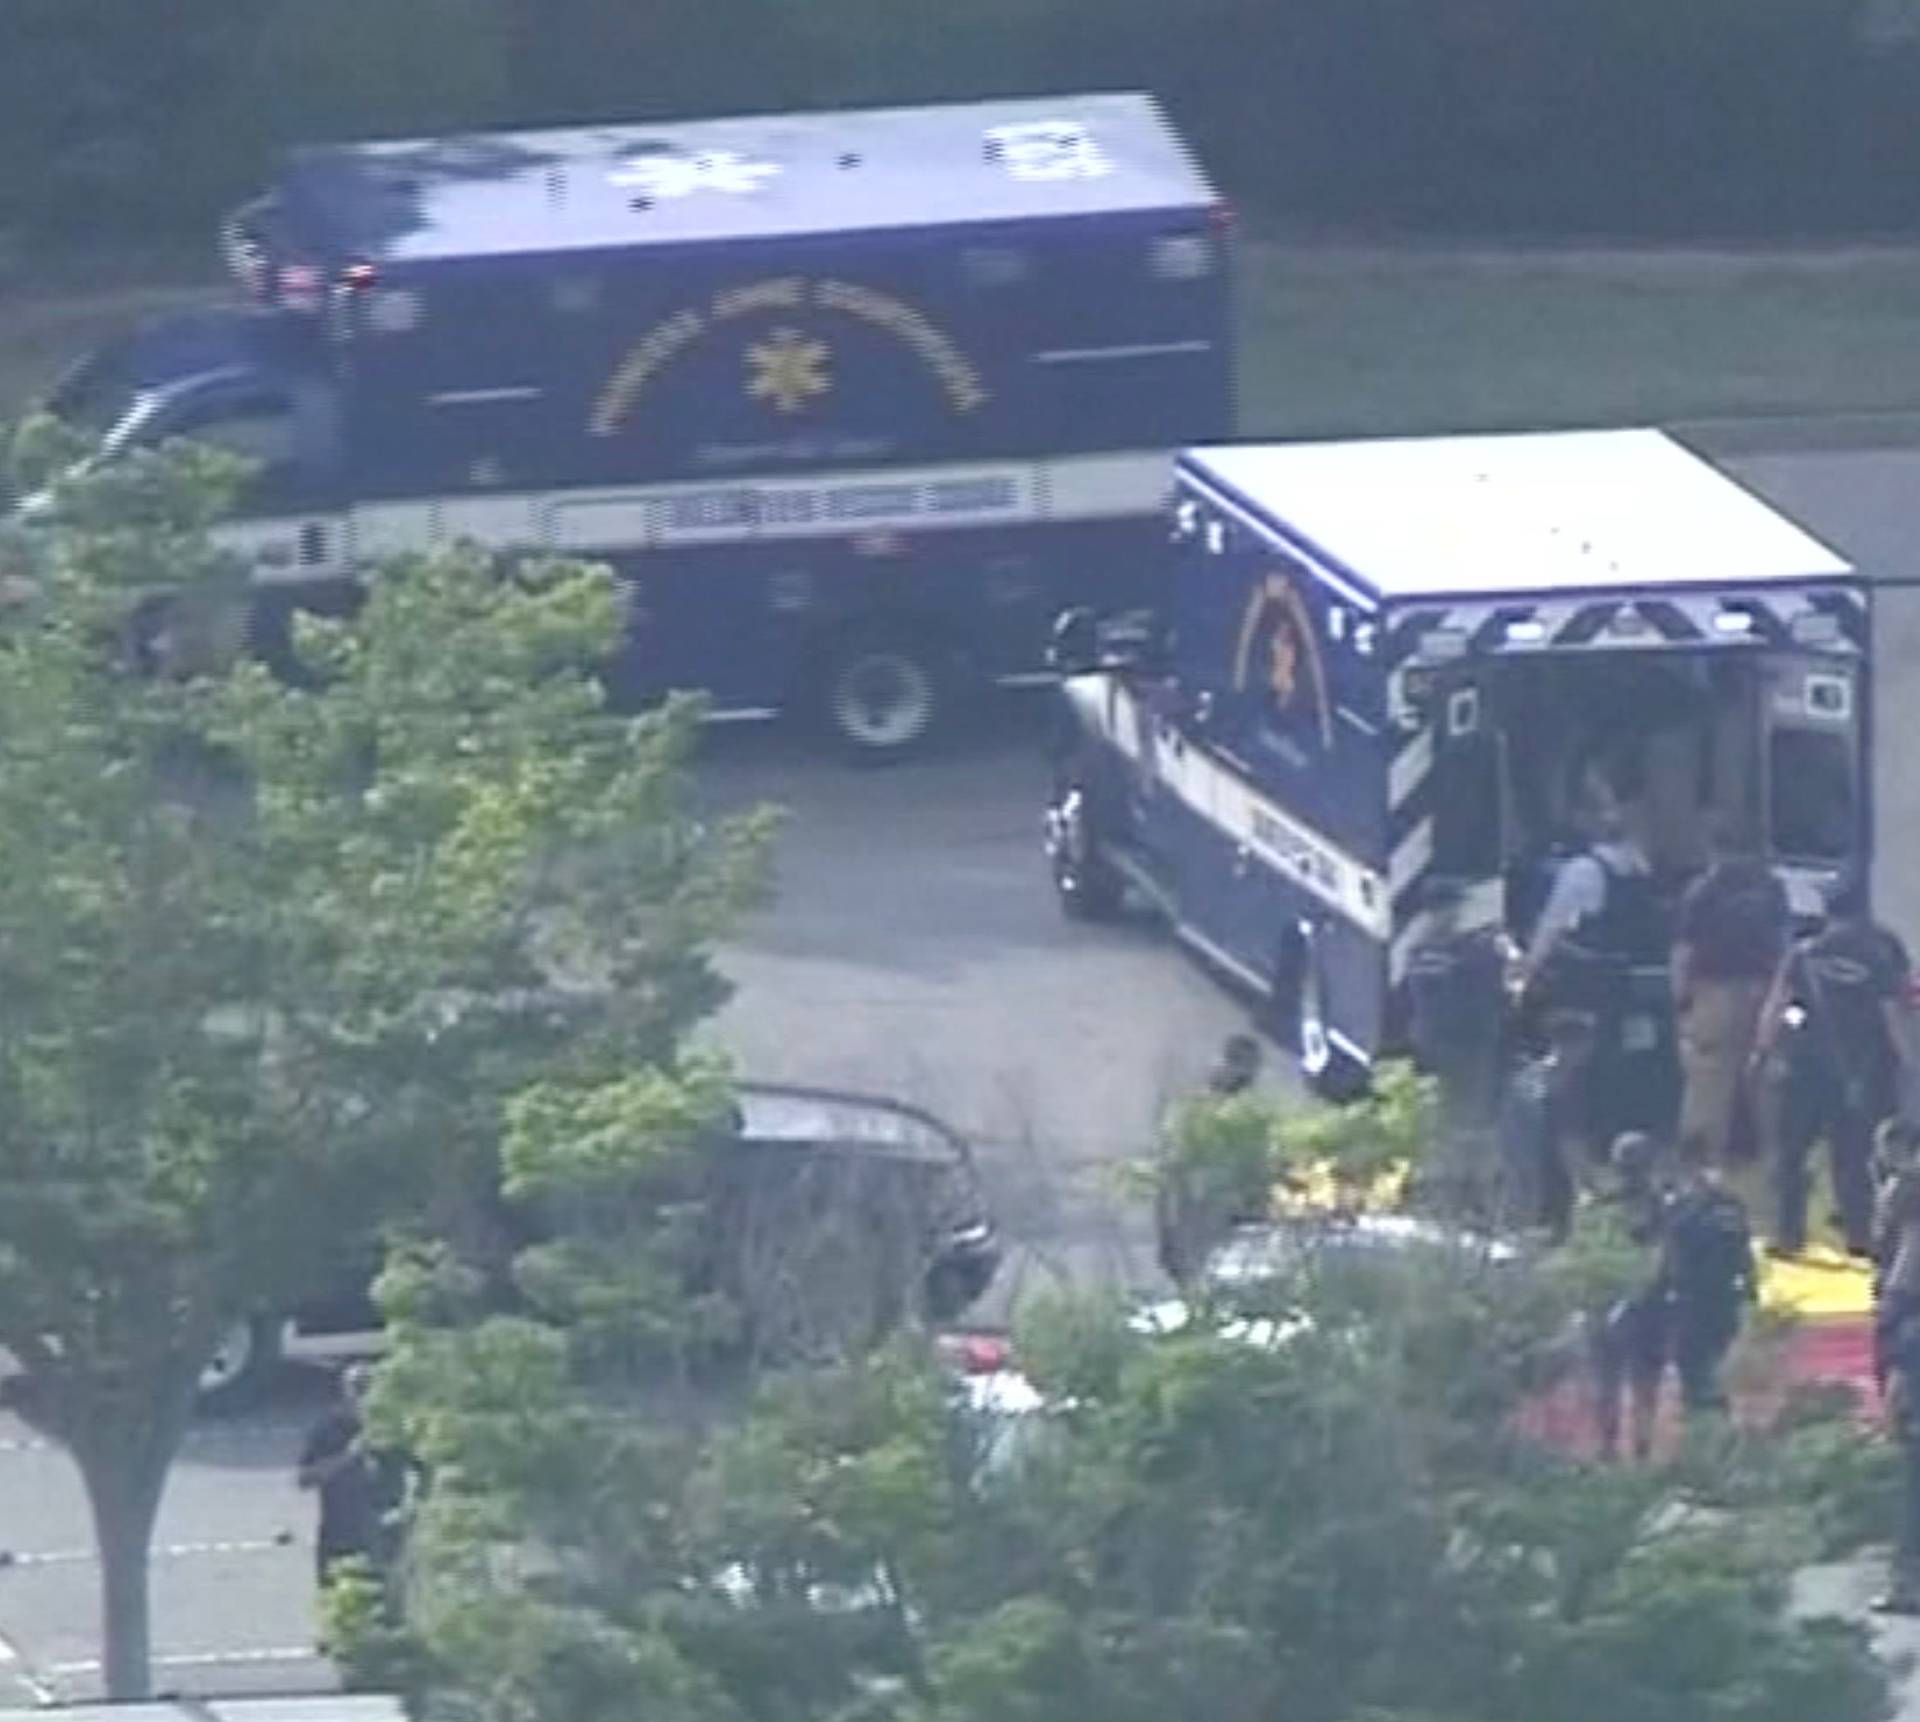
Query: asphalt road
{"type": "Point", "coordinates": [914, 950]}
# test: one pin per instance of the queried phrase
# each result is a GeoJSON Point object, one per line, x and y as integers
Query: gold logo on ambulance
{"type": "Point", "coordinates": [788, 370]}
{"type": "Point", "coordinates": [1278, 651]}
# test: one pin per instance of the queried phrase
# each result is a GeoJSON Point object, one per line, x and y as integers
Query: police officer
{"type": "Point", "coordinates": [1630, 1338]}
{"type": "Point", "coordinates": [1456, 996]}
{"type": "Point", "coordinates": [1707, 1272]}
{"type": "Point", "coordinates": [1603, 918]}
{"type": "Point", "coordinates": [1903, 1412]}
{"type": "Point", "coordinates": [1545, 1128]}
{"type": "Point", "coordinates": [1896, 1236]}
{"type": "Point", "coordinates": [1834, 1033]}
{"type": "Point", "coordinates": [1238, 1067]}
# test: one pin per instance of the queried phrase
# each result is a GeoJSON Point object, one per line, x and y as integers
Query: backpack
{"type": "Point", "coordinates": [1710, 1247]}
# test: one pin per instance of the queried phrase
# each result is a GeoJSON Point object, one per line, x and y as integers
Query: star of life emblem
{"type": "Point", "coordinates": [1048, 149]}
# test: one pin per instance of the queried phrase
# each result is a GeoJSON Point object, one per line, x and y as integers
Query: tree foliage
{"type": "Point", "coordinates": [1315, 1502]}
{"type": "Point", "coordinates": [1650, 116]}
{"type": "Point", "coordinates": [280, 966]}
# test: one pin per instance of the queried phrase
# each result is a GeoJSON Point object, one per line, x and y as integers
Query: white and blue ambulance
{"type": "Point", "coordinates": [1385, 663]}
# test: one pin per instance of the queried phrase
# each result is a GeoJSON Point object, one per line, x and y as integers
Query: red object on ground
{"type": "Point", "coordinates": [1836, 1349]}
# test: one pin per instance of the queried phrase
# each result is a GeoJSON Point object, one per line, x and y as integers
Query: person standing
{"type": "Point", "coordinates": [1603, 919]}
{"type": "Point", "coordinates": [1896, 1237]}
{"type": "Point", "coordinates": [1631, 1337]}
{"type": "Point", "coordinates": [1707, 1274]}
{"type": "Point", "coordinates": [1456, 994]}
{"type": "Point", "coordinates": [1600, 908]}
{"type": "Point", "coordinates": [1902, 1596]}
{"type": "Point", "coordinates": [1238, 1067]}
{"type": "Point", "coordinates": [1190, 1217]}
{"type": "Point", "coordinates": [1546, 1127]}
{"type": "Point", "coordinates": [1730, 934]}
{"type": "Point", "coordinates": [1835, 1035]}
{"type": "Point", "coordinates": [361, 1490]}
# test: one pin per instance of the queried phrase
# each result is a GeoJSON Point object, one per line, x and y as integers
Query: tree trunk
{"type": "Point", "coordinates": [124, 1483]}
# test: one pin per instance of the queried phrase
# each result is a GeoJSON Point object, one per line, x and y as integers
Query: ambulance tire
{"type": "Point", "coordinates": [243, 1367]}
{"type": "Point", "coordinates": [1297, 1020]}
{"type": "Point", "coordinates": [883, 693]}
{"type": "Point", "coordinates": [1084, 879]}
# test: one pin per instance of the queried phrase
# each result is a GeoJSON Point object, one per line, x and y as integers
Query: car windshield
{"type": "Point", "coordinates": [99, 396]}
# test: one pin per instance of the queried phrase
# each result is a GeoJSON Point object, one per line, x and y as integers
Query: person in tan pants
{"type": "Point", "coordinates": [1730, 932]}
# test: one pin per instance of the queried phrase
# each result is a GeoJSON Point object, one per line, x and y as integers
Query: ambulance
{"type": "Point", "coordinates": [1384, 663]}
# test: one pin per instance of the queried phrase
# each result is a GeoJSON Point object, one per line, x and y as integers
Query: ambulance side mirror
{"type": "Point", "coordinates": [1075, 645]}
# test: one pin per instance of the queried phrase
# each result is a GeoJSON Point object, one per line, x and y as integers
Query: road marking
{"type": "Point", "coordinates": [206, 1659]}
{"type": "Point", "coordinates": [283, 1539]}
{"type": "Point", "coordinates": [22, 1671]}
{"type": "Point", "coordinates": [263, 1432]}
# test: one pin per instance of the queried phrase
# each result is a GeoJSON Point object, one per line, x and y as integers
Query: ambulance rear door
{"type": "Point", "coordinates": [1813, 785]}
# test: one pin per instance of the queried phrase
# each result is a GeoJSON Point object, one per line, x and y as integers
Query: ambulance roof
{"type": "Point", "coordinates": [692, 181]}
{"type": "Point", "coordinates": [1488, 516]}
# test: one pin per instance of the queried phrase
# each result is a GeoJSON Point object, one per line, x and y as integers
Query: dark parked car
{"type": "Point", "coordinates": [832, 1216]}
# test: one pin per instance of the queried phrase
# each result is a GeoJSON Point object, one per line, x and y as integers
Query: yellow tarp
{"type": "Point", "coordinates": [1823, 1282]}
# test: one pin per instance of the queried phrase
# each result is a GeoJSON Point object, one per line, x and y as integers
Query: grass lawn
{"type": "Point", "coordinates": [43, 332]}
{"type": "Point", "coordinates": [1353, 340]}
{"type": "Point", "coordinates": [1356, 341]}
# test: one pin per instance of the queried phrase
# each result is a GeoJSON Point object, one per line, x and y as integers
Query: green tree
{"type": "Point", "coordinates": [1314, 1502]}
{"type": "Point", "coordinates": [1239, 1158]}
{"type": "Point", "coordinates": [276, 962]}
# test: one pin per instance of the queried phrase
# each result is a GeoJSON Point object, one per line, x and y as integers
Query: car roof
{"type": "Point", "coordinates": [766, 177]}
{"type": "Point", "coordinates": [1418, 518]}
{"type": "Point", "coordinates": [1257, 1252]}
{"type": "Point", "coordinates": [777, 1114]}
{"type": "Point", "coordinates": [182, 343]}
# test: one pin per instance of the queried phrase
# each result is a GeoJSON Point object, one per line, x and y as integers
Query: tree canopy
{"type": "Point", "coordinates": [283, 965]}
{"type": "Point", "coordinates": [1687, 117]}
{"type": "Point", "coordinates": [1315, 1499]}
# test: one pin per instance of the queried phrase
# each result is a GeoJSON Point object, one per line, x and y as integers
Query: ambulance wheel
{"type": "Point", "coordinates": [1298, 1020]}
{"type": "Point", "coordinates": [1084, 879]}
{"type": "Point", "coordinates": [242, 1366]}
{"type": "Point", "coordinates": [883, 694]}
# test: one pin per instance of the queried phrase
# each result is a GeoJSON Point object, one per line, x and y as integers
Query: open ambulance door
{"type": "Point", "coordinates": [1813, 787]}
{"type": "Point", "coordinates": [1469, 795]}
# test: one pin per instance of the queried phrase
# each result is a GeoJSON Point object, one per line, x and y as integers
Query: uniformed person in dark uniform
{"type": "Point", "coordinates": [1707, 1270]}
{"type": "Point", "coordinates": [1545, 1128]}
{"type": "Point", "coordinates": [1631, 1337]}
{"type": "Point", "coordinates": [1902, 1348]}
{"type": "Point", "coordinates": [1896, 1236]}
{"type": "Point", "coordinates": [1238, 1068]}
{"type": "Point", "coordinates": [1456, 999]}
{"type": "Point", "coordinates": [1834, 1033]}
{"type": "Point", "coordinates": [1603, 920]}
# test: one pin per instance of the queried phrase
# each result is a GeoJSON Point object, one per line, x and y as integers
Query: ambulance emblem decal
{"type": "Point", "coordinates": [1278, 652]}
{"type": "Point", "coordinates": [788, 370]}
